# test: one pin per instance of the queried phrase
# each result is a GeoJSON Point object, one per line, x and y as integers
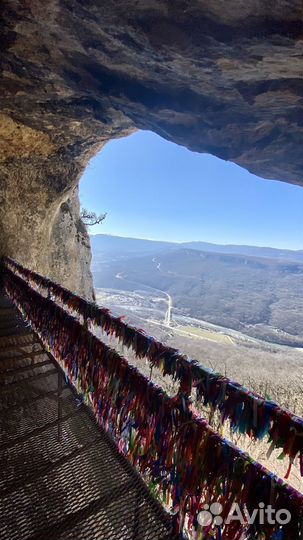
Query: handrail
{"type": "Point", "coordinates": [247, 411]}
{"type": "Point", "coordinates": [162, 437]}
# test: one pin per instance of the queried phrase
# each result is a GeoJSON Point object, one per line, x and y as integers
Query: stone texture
{"type": "Point", "coordinates": [217, 77]}
{"type": "Point", "coordinates": [70, 256]}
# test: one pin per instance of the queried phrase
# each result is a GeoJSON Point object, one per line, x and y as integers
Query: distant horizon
{"type": "Point", "coordinates": [155, 189]}
{"type": "Point", "coordinates": [193, 241]}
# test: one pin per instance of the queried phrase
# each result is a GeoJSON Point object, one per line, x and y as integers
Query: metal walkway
{"type": "Point", "coordinates": [61, 476]}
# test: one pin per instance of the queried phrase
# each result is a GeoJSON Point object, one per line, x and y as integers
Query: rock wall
{"type": "Point", "coordinates": [40, 221]}
{"type": "Point", "coordinates": [217, 77]}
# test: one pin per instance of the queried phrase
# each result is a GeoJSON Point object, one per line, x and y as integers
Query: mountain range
{"type": "Point", "coordinates": [260, 296]}
{"type": "Point", "coordinates": [136, 246]}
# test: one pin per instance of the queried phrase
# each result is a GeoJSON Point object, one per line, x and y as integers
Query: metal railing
{"type": "Point", "coordinates": [178, 453]}
{"type": "Point", "coordinates": [247, 411]}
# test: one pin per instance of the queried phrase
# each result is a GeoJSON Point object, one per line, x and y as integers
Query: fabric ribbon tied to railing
{"type": "Point", "coordinates": [248, 412]}
{"type": "Point", "coordinates": [174, 449]}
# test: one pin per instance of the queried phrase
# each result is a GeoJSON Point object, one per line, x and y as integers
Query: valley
{"type": "Point", "coordinates": [257, 297]}
{"type": "Point", "coordinates": [238, 315]}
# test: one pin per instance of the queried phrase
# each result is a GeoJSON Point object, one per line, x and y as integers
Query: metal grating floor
{"type": "Point", "coordinates": [61, 476]}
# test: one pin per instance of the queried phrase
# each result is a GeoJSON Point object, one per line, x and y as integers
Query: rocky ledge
{"type": "Point", "coordinates": [218, 77]}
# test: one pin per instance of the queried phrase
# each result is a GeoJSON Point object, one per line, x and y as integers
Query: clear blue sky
{"type": "Point", "coordinates": [151, 188]}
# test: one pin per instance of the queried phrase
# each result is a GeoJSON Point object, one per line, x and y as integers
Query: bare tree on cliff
{"type": "Point", "coordinates": [91, 218]}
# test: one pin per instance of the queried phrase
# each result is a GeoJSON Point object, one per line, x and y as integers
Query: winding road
{"type": "Point", "coordinates": [168, 313]}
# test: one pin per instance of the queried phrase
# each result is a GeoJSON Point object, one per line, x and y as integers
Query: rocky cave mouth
{"type": "Point", "coordinates": [130, 167]}
{"type": "Point", "coordinates": [214, 77]}
{"type": "Point", "coordinates": [75, 76]}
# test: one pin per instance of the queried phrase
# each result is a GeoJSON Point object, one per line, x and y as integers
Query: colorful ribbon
{"type": "Point", "coordinates": [173, 448]}
{"type": "Point", "coordinates": [248, 412]}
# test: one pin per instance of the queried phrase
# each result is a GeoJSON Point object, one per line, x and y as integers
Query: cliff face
{"type": "Point", "coordinates": [218, 79]}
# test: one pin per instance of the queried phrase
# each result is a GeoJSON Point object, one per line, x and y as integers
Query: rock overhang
{"type": "Point", "coordinates": [76, 74]}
